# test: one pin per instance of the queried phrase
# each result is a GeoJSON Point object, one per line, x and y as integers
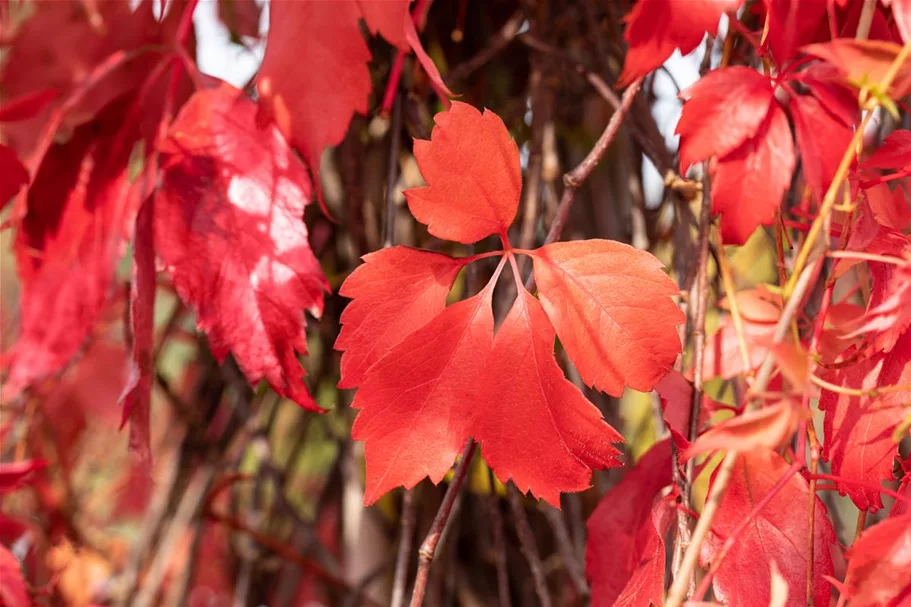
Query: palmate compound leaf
{"type": "Point", "coordinates": [229, 229]}
{"type": "Point", "coordinates": [429, 377]}
{"type": "Point", "coordinates": [858, 429]}
{"type": "Point", "coordinates": [754, 153]}
{"type": "Point", "coordinates": [778, 533]}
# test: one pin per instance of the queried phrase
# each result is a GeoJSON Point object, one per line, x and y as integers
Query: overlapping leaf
{"type": "Point", "coordinates": [777, 533]}
{"type": "Point", "coordinates": [429, 377]}
{"type": "Point", "coordinates": [879, 570]}
{"type": "Point", "coordinates": [858, 429]}
{"type": "Point", "coordinates": [229, 229]}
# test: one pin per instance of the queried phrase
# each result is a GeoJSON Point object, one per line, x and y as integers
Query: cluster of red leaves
{"type": "Point", "coordinates": [739, 121]}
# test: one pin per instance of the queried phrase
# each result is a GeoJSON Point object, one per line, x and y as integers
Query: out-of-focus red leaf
{"type": "Point", "coordinates": [839, 100]}
{"type": "Point", "coordinates": [864, 62]}
{"type": "Point", "coordinates": [12, 174]}
{"type": "Point", "coordinates": [655, 28]}
{"type": "Point", "coordinates": [473, 190]}
{"type": "Point", "coordinates": [676, 394]}
{"type": "Point", "coordinates": [709, 103]}
{"type": "Point", "coordinates": [858, 429]}
{"type": "Point", "coordinates": [229, 229]}
{"type": "Point", "coordinates": [595, 292]}
{"type": "Point", "coordinates": [27, 105]}
{"type": "Point", "coordinates": [79, 209]}
{"type": "Point", "coordinates": [879, 567]}
{"type": "Point", "coordinates": [793, 23]}
{"type": "Point", "coordinates": [13, 590]}
{"type": "Point", "coordinates": [760, 311]}
{"type": "Point", "coordinates": [901, 13]}
{"type": "Point", "coordinates": [395, 292]}
{"type": "Point", "coordinates": [137, 394]}
{"type": "Point", "coordinates": [241, 17]}
{"type": "Point", "coordinates": [556, 437]}
{"type": "Point", "coordinates": [778, 532]}
{"type": "Point", "coordinates": [767, 428]}
{"type": "Point", "coordinates": [822, 140]}
{"type": "Point", "coordinates": [15, 475]}
{"type": "Point", "coordinates": [748, 183]}
{"type": "Point", "coordinates": [890, 208]}
{"type": "Point", "coordinates": [314, 73]}
{"type": "Point", "coordinates": [624, 557]}
{"type": "Point", "coordinates": [894, 153]}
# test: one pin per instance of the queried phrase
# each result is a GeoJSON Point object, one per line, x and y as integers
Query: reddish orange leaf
{"type": "Point", "coordinates": [15, 475]}
{"type": "Point", "coordinates": [858, 429]}
{"type": "Point", "coordinates": [229, 229]}
{"type": "Point", "coordinates": [555, 437]}
{"type": "Point", "coordinates": [473, 190]}
{"type": "Point", "coordinates": [625, 554]}
{"type": "Point", "coordinates": [595, 292]}
{"type": "Point", "coordinates": [676, 394]}
{"type": "Point", "coordinates": [13, 590]}
{"type": "Point", "coordinates": [655, 28]}
{"type": "Point", "coordinates": [12, 174]}
{"type": "Point", "coordinates": [879, 570]}
{"type": "Point", "coordinates": [27, 105]}
{"type": "Point", "coordinates": [792, 23]}
{"type": "Point", "coordinates": [822, 139]}
{"type": "Point", "coordinates": [394, 293]}
{"type": "Point", "coordinates": [890, 208]}
{"type": "Point", "coordinates": [778, 533]}
{"type": "Point", "coordinates": [894, 153]}
{"type": "Point", "coordinates": [767, 428]}
{"type": "Point", "coordinates": [864, 62]}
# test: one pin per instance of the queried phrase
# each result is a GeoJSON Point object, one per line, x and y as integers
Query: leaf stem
{"type": "Point", "coordinates": [429, 546]}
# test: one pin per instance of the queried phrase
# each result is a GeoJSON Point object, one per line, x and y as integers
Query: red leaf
{"type": "Point", "coordinates": [749, 182]}
{"type": "Point", "coordinates": [778, 532]}
{"type": "Point", "coordinates": [767, 428]}
{"type": "Point", "coordinates": [416, 401]}
{"type": "Point", "coordinates": [13, 590]}
{"type": "Point", "coordinates": [395, 292]}
{"type": "Point", "coordinates": [864, 62]}
{"type": "Point", "coordinates": [229, 229]}
{"type": "Point", "coordinates": [137, 394]}
{"type": "Point", "coordinates": [676, 394]}
{"type": "Point", "coordinates": [314, 74]}
{"type": "Point", "coordinates": [15, 475]}
{"type": "Point", "coordinates": [241, 17]}
{"type": "Point", "coordinates": [595, 293]}
{"type": "Point", "coordinates": [473, 190]}
{"type": "Point", "coordinates": [27, 105]}
{"type": "Point", "coordinates": [624, 557]}
{"type": "Point", "coordinates": [448, 379]}
{"type": "Point", "coordinates": [555, 437]}
{"type": "Point", "coordinates": [793, 23]}
{"type": "Point", "coordinates": [79, 209]}
{"type": "Point", "coordinates": [894, 153]}
{"type": "Point", "coordinates": [879, 570]}
{"type": "Point", "coordinates": [822, 140]}
{"type": "Point", "coordinates": [858, 430]}
{"type": "Point", "coordinates": [901, 12]}
{"type": "Point", "coordinates": [737, 97]}
{"type": "Point", "coordinates": [890, 208]}
{"type": "Point", "coordinates": [12, 174]}
{"type": "Point", "coordinates": [655, 28]}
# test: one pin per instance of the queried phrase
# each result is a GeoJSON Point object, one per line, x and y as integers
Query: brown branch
{"type": "Point", "coordinates": [431, 542]}
{"type": "Point", "coordinates": [499, 543]}
{"type": "Point", "coordinates": [527, 544]}
{"type": "Point", "coordinates": [497, 43]}
{"type": "Point", "coordinates": [565, 546]}
{"type": "Point", "coordinates": [405, 542]}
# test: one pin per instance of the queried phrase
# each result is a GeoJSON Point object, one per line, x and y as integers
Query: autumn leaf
{"type": "Point", "coordinates": [894, 152]}
{"type": "Point", "coordinates": [656, 28]}
{"type": "Point", "coordinates": [13, 590]}
{"type": "Point", "coordinates": [879, 570]}
{"type": "Point", "coordinates": [864, 63]}
{"type": "Point", "coordinates": [12, 174]}
{"type": "Point", "coordinates": [754, 152]}
{"type": "Point", "coordinates": [625, 554]}
{"type": "Point", "coordinates": [15, 475]}
{"type": "Point", "coordinates": [431, 376]}
{"type": "Point", "coordinates": [314, 74]}
{"type": "Point", "coordinates": [766, 428]}
{"type": "Point", "coordinates": [858, 429]}
{"type": "Point", "coordinates": [791, 24]}
{"type": "Point", "coordinates": [779, 532]}
{"type": "Point", "coordinates": [901, 12]}
{"type": "Point", "coordinates": [229, 229]}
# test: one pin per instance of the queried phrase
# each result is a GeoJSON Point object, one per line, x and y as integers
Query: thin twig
{"type": "Point", "coordinates": [528, 545]}
{"type": "Point", "coordinates": [395, 135]}
{"type": "Point", "coordinates": [405, 541]}
{"type": "Point", "coordinates": [431, 542]}
{"type": "Point", "coordinates": [497, 43]}
{"type": "Point", "coordinates": [499, 543]}
{"type": "Point", "coordinates": [565, 546]}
